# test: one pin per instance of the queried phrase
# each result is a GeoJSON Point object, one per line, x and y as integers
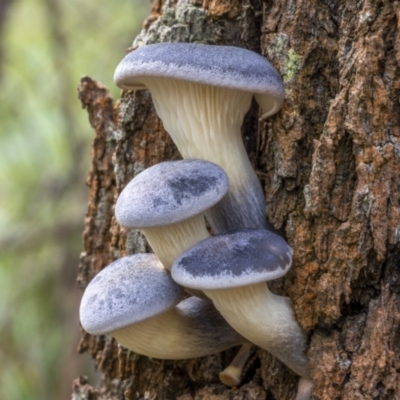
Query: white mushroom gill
{"type": "Point", "coordinates": [159, 337]}
{"type": "Point", "coordinates": [204, 122]}
{"type": "Point", "coordinates": [169, 241]}
{"type": "Point", "coordinates": [191, 329]}
{"type": "Point", "coordinates": [266, 320]}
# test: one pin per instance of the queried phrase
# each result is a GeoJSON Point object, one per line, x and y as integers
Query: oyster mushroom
{"type": "Point", "coordinates": [167, 201]}
{"type": "Point", "coordinates": [202, 93]}
{"type": "Point", "coordinates": [136, 301]}
{"type": "Point", "coordinates": [232, 270]}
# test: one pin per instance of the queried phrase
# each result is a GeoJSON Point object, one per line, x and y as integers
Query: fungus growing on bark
{"type": "Point", "coordinates": [231, 375]}
{"type": "Point", "coordinates": [202, 93]}
{"type": "Point", "coordinates": [167, 201]}
{"type": "Point", "coordinates": [231, 269]}
{"type": "Point", "coordinates": [135, 300]}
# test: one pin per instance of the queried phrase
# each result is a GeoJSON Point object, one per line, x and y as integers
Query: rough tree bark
{"type": "Point", "coordinates": [330, 166]}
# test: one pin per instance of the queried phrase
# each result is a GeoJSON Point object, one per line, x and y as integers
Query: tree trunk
{"type": "Point", "coordinates": [330, 165]}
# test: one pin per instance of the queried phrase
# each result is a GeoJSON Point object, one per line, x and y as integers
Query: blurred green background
{"type": "Point", "coordinates": [45, 137]}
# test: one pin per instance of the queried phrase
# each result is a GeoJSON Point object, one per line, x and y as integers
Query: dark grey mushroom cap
{"type": "Point", "coordinates": [224, 66]}
{"type": "Point", "coordinates": [233, 259]}
{"type": "Point", "coordinates": [170, 192]}
{"type": "Point", "coordinates": [130, 290]}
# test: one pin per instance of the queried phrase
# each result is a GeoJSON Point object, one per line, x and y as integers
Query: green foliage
{"type": "Point", "coordinates": [44, 159]}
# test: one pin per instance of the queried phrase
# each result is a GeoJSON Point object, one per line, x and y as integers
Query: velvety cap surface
{"type": "Point", "coordinates": [224, 66]}
{"type": "Point", "coordinates": [131, 289]}
{"type": "Point", "coordinates": [233, 259]}
{"type": "Point", "coordinates": [170, 192]}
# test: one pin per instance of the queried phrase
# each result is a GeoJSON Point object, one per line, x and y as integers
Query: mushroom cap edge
{"type": "Point", "coordinates": [224, 66]}
{"type": "Point", "coordinates": [233, 259]}
{"type": "Point", "coordinates": [170, 192]}
{"type": "Point", "coordinates": [129, 290]}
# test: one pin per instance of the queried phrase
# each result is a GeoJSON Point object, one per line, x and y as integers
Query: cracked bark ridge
{"type": "Point", "coordinates": [332, 178]}
{"type": "Point", "coordinates": [101, 181]}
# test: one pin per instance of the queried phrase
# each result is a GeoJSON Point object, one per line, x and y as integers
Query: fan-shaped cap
{"type": "Point", "coordinates": [170, 192]}
{"type": "Point", "coordinates": [224, 66]}
{"type": "Point", "coordinates": [233, 259]}
{"type": "Point", "coordinates": [130, 290]}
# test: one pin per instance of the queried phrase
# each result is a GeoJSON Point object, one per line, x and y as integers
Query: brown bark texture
{"type": "Point", "coordinates": [330, 165]}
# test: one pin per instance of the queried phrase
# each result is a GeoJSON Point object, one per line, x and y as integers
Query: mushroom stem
{"type": "Point", "coordinates": [194, 328]}
{"type": "Point", "coordinates": [304, 389]}
{"type": "Point", "coordinates": [230, 376]}
{"type": "Point", "coordinates": [169, 241]}
{"type": "Point", "coordinates": [204, 122]}
{"type": "Point", "coordinates": [266, 320]}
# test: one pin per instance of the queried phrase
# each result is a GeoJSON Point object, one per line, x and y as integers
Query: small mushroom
{"type": "Point", "coordinates": [168, 201]}
{"type": "Point", "coordinates": [231, 375]}
{"type": "Point", "coordinates": [231, 269]}
{"type": "Point", "coordinates": [135, 300]}
{"type": "Point", "coordinates": [202, 93]}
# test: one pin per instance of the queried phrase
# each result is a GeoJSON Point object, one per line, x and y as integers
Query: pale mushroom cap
{"type": "Point", "coordinates": [130, 290]}
{"type": "Point", "coordinates": [233, 259]}
{"type": "Point", "coordinates": [223, 66]}
{"type": "Point", "coordinates": [170, 192]}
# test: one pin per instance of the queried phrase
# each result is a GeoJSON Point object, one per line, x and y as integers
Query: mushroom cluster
{"type": "Point", "coordinates": [135, 298]}
{"type": "Point", "coordinates": [201, 93]}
